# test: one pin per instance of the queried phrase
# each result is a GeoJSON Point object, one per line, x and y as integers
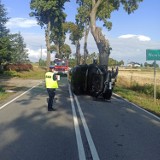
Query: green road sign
{"type": "Point", "coordinates": [153, 54]}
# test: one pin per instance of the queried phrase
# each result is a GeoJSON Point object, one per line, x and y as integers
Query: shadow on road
{"type": "Point", "coordinates": [31, 132]}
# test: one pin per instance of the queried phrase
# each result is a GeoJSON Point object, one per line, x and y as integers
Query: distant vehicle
{"type": "Point", "coordinates": [61, 66]}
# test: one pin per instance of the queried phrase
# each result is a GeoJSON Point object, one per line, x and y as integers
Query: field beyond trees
{"type": "Point", "coordinates": [140, 76]}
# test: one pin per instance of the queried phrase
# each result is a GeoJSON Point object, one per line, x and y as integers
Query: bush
{"type": "Point", "coordinates": [18, 67]}
{"type": "Point", "coordinates": [147, 89]}
{"type": "Point", "coordinates": [1, 89]}
{"type": "Point", "coordinates": [11, 73]}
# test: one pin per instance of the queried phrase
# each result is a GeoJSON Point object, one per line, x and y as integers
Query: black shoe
{"type": "Point", "coordinates": [51, 109]}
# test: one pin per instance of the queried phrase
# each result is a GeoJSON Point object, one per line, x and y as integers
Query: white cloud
{"type": "Point", "coordinates": [122, 49]}
{"type": "Point", "coordinates": [143, 38]}
{"type": "Point", "coordinates": [35, 55]}
{"type": "Point", "coordinates": [131, 49]}
{"type": "Point", "coordinates": [139, 37]}
{"type": "Point", "coordinates": [126, 47]}
{"type": "Point", "coordinates": [21, 22]}
{"type": "Point", "coordinates": [126, 36]}
{"type": "Point", "coordinates": [34, 40]}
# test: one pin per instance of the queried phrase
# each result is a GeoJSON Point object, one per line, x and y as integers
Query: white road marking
{"type": "Point", "coordinates": [87, 132]}
{"type": "Point", "coordinates": [81, 151]}
{"type": "Point", "coordinates": [153, 115]}
{"type": "Point", "coordinates": [18, 97]}
{"type": "Point", "coordinates": [117, 99]}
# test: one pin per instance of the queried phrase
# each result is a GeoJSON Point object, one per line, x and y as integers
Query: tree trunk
{"type": "Point", "coordinates": [103, 46]}
{"type": "Point", "coordinates": [78, 52]}
{"type": "Point", "coordinates": [101, 42]}
{"type": "Point", "coordinates": [58, 50]}
{"type": "Point", "coordinates": [48, 45]}
{"type": "Point", "coordinates": [85, 44]}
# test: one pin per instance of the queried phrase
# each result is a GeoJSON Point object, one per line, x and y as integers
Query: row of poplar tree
{"type": "Point", "coordinates": [12, 46]}
{"type": "Point", "coordinates": [50, 14]}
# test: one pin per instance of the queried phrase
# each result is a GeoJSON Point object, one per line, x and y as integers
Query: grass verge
{"type": "Point", "coordinates": [36, 73]}
{"type": "Point", "coordinates": [3, 94]}
{"type": "Point", "coordinates": [141, 99]}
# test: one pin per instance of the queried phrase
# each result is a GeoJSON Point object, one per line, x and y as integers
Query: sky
{"type": "Point", "coordinates": [129, 37]}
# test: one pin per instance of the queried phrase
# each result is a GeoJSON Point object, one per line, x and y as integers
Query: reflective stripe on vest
{"type": "Point", "coordinates": [50, 83]}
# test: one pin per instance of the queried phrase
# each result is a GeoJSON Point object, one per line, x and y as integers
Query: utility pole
{"type": "Point", "coordinates": [153, 54]}
{"type": "Point", "coordinates": [155, 81]}
{"type": "Point", "coordinates": [40, 59]}
{"type": "Point", "coordinates": [41, 53]}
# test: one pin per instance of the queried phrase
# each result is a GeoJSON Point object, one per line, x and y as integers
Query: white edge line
{"type": "Point", "coordinates": [81, 151]}
{"type": "Point", "coordinates": [87, 132]}
{"type": "Point", "coordinates": [18, 96]}
{"type": "Point", "coordinates": [138, 107]}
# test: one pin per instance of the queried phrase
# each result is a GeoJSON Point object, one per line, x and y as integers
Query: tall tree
{"type": "Point", "coordinates": [58, 34]}
{"type": "Point", "coordinates": [5, 44]}
{"type": "Point", "coordinates": [101, 10]}
{"type": "Point", "coordinates": [83, 20]}
{"type": "Point", "coordinates": [76, 34]}
{"type": "Point", "coordinates": [3, 20]}
{"type": "Point", "coordinates": [19, 52]}
{"type": "Point", "coordinates": [5, 50]}
{"type": "Point", "coordinates": [64, 49]}
{"type": "Point", "coordinates": [48, 14]}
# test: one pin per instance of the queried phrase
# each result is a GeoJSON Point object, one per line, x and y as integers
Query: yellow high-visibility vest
{"type": "Point", "coordinates": [50, 83]}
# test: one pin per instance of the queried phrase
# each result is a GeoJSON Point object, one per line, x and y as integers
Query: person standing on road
{"type": "Point", "coordinates": [51, 86]}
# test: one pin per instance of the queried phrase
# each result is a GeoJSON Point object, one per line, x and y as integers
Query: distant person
{"type": "Point", "coordinates": [51, 85]}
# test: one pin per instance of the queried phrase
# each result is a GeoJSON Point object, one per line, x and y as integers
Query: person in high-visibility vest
{"type": "Point", "coordinates": [51, 86]}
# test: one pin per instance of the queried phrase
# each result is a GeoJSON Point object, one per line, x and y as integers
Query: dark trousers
{"type": "Point", "coordinates": [51, 93]}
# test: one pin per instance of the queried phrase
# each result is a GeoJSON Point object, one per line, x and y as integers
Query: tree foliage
{"type": "Point", "coordinates": [64, 49]}
{"type": "Point", "coordinates": [5, 50]}
{"type": "Point", "coordinates": [58, 34]}
{"type": "Point", "coordinates": [76, 34]}
{"type": "Point", "coordinates": [151, 65]}
{"type": "Point", "coordinates": [112, 62]}
{"type": "Point", "coordinates": [101, 10]}
{"type": "Point", "coordinates": [4, 38]}
{"type": "Point", "coordinates": [50, 15]}
{"type": "Point", "coordinates": [12, 47]}
{"type": "Point", "coordinates": [3, 20]}
{"type": "Point", "coordinates": [19, 51]}
{"type": "Point", "coordinates": [83, 21]}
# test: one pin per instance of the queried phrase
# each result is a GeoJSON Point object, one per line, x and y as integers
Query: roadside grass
{"type": "Point", "coordinates": [142, 95]}
{"type": "Point", "coordinates": [36, 73]}
{"type": "Point", "coordinates": [3, 94]}
{"type": "Point", "coordinates": [135, 91]}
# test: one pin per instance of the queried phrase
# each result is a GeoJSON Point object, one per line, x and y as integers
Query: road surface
{"type": "Point", "coordinates": [81, 128]}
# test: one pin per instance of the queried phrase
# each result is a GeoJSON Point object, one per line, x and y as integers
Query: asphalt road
{"type": "Point", "coordinates": [80, 128]}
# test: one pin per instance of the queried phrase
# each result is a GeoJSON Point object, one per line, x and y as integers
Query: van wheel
{"type": "Point", "coordinates": [107, 95]}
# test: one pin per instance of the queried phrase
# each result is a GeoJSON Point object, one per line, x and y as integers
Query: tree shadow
{"type": "Point", "coordinates": [36, 133]}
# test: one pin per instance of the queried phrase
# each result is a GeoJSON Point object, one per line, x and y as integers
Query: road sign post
{"type": "Point", "coordinates": [155, 81]}
{"type": "Point", "coordinates": [153, 54]}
